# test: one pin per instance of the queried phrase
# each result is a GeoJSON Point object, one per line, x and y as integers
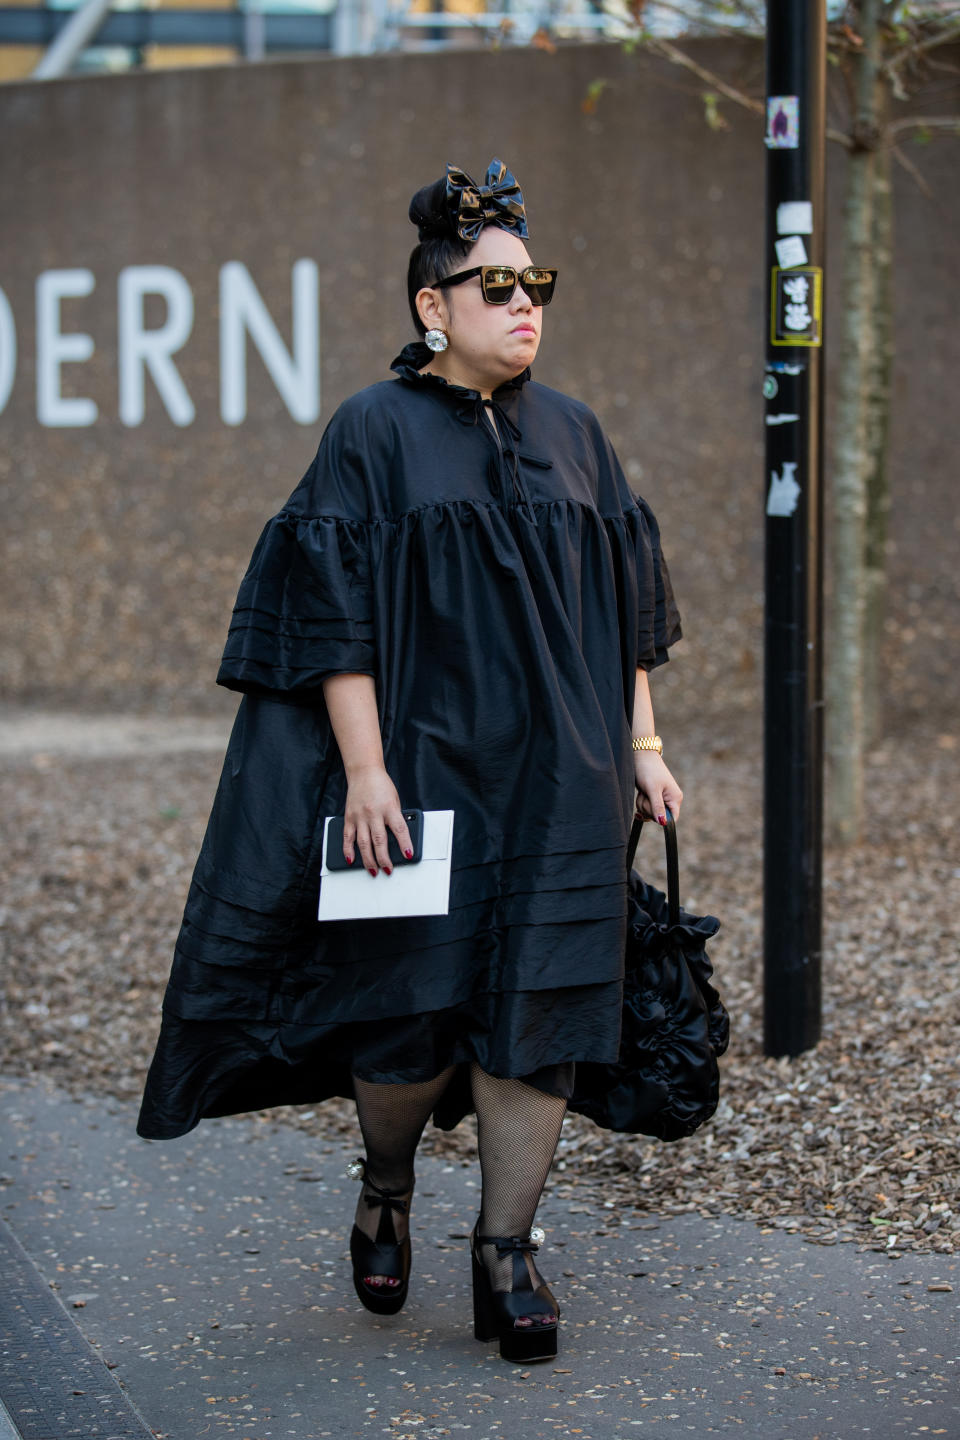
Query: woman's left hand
{"type": "Point", "coordinates": [657, 791]}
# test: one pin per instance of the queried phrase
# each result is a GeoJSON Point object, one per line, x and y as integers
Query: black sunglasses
{"type": "Point", "coordinates": [498, 282]}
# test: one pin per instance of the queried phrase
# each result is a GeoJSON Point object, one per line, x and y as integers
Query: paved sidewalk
{"type": "Point", "coordinates": [211, 1274]}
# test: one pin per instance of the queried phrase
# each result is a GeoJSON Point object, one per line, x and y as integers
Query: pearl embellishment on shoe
{"type": "Point", "coordinates": [538, 1234]}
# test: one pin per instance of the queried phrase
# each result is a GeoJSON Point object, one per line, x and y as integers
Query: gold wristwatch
{"type": "Point", "coordinates": [648, 742]}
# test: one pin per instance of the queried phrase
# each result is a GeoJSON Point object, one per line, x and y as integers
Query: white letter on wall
{"type": "Point", "coordinates": [140, 349]}
{"type": "Point", "coordinates": [241, 311]}
{"type": "Point", "coordinates": [8, 351]}
{"type": "Point", "coordinates": [54, 349]}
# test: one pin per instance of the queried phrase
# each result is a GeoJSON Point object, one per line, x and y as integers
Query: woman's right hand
{"type": "Point", "coordinates": [372, 807]}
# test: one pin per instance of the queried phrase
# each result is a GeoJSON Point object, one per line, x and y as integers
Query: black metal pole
{"type": "Point", "coordinates": [793, 631]}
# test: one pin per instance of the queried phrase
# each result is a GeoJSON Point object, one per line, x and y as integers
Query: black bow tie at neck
{"type": "Point", "coordinates": [468, 406]}
{"type": "Point", "coordinates": [498, 201]}
{"type": "Point", "coordinates": [500, 416]}
{"type": "Point", "coordinates": [499, 413]}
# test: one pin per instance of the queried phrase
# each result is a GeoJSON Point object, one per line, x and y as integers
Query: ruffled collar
{"type": "Point", "coordinates": [413, 357]}
{"type": "Point", "coordinates": [468, 406]}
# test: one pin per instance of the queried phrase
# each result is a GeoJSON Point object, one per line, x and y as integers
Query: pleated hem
{"type": "Point", "coordinates": [204, 1069]}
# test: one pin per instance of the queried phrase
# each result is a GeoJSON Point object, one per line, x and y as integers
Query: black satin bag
{"type": "Point", "coordinates": [667, 1081]}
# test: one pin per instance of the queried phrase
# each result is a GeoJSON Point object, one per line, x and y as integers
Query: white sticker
{"type": "Point", "coordinates": [791, 251]}
{"type": "Point", "coordinates": [781, 419]}
{"type": "Point", "coordinates": [784, 490]}
{"type": "Point", "coordinates": [795, 217]}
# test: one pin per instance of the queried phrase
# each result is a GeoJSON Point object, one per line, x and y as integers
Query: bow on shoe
{"type": "Point", "coordinates": [506, 1243]}
{"type": "Point", "coordinates": [505, 1246]}
{"type": "Point", "coordinates": [499, 201]}
{"type": "Point", "coordinates": [388, 1201]}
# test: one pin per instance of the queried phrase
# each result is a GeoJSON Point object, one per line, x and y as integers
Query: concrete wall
{"type": "Point", "coordinates": [124, 539]}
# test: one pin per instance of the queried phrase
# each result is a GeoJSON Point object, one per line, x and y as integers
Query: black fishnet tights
{"type": "Point", "coordinates": [391, 1119]}
{"type": "Point", "coordinates": [518, 1127]}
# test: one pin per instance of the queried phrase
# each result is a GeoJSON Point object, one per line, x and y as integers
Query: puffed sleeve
{"type": "Point", "coordinates": [304, 609]}
{"type": "Point", "coordinates": [650, 619]}
{"type": "Point", "coordinates": [658, 619]}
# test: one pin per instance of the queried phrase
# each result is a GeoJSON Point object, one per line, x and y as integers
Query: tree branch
{"type": "Point", "coordinates": [721, 27]}
{"type": "Point", "coordinates": [941, 37]}
{"type": "Point", "coordinates": [944, 66]}
{"type": "Point", "coordinates": [678, 57]}
{"type": "Point", "coordinates": [950, 123]}
{"type": "Point", "coordinates": [912, 170]}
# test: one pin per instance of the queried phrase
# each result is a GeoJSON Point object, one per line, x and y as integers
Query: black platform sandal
{"type": "Point", "coordinates": [495, 1311]}
{"type": "Point", "coordinates": [384, 1255]}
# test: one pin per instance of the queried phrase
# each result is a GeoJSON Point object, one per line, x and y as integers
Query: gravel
{"type": "Point", "coordinates": [855, 1141]}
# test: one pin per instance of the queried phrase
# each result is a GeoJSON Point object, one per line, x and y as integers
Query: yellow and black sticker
{"type": "Point", "coordinates": [796, 302]}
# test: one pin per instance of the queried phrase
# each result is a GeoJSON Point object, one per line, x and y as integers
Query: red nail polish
{"type": "Point", "coordinates": [409, 854]}
{"type": "Point", "coordinates": [388, 871]}
{"type": "Point", "coordinates": [372, 871]}
{"type": "Point", "coordinates": [349, 859]}
{"type": "Point", "coordinates": [661, 819]}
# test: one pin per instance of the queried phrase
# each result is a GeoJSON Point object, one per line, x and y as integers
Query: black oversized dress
{"type": "Point", "coordinates": [502, 589]}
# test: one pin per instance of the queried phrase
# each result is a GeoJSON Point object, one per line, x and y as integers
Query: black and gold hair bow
{"type": "Point", "coordinates": [498, 201]}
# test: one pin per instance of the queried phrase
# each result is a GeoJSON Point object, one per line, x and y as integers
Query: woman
{"type": "Point", "coordinates": [456, 609]}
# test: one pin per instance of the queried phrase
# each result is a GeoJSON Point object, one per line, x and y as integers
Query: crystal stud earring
{"type": "Point", "coordinates": [436, 340]}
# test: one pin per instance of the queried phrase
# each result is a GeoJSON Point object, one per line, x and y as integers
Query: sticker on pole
{"type": "Point", "coordinates": [783, 122]}
{"type": "Point", "coordinates": [784, 490]}
{"type": "Point", "coordinates": [795, 217]}
{"type": "Point", "coordinates": [791, 252]}
{"type": "Point", "coordinates": [795, 306]}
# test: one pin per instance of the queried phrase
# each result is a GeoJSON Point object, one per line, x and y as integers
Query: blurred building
{"type": "Point", "coordinates": [131, 35]}
{"type": "Point", "coordinates": [158, 34]}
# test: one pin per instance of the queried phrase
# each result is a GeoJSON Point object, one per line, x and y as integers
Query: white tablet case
{"type": "Point", "coordinates": [419, 889]}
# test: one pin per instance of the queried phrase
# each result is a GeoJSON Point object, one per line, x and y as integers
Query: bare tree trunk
{"type": "Point", "coordinates": [844, 670]}
{"type": "Point", "coordinates": [879, 402]}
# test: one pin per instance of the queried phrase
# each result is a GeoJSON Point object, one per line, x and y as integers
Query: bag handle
{"type": "Point", "coordinates": [673, 861]}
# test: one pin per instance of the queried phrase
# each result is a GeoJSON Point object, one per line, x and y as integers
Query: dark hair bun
{"type": "Point", "coordinates": [430, 212]}
{"type": "Point", "coordinates": [457, 207]}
